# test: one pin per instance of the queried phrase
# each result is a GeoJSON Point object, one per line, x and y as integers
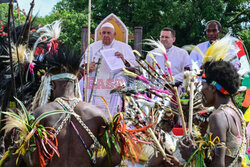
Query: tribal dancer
{"type": "Point", "coordinates": [225, 141]}
{"type": "Point", "coordinates": [61, 118]}
{"type": "Point", "coordinates": [81, 124]}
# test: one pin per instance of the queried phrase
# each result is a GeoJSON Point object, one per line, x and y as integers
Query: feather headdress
{"type": "Point", "coordinates": [50, 31]}
{"type": "Point", "coordinates": [221, 48]}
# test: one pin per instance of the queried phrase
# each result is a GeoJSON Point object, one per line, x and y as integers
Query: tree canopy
{"type": "Point", "coordinates": [186, 17]}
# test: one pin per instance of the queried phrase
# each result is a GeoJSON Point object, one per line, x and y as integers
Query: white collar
{"type": "Point", "coordinates": [108, 46]}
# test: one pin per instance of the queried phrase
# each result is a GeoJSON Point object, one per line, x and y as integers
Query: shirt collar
{"type": "Point", "coordinates": [108, 46]}
{"type": "Point", "coordinates": [167, 50]}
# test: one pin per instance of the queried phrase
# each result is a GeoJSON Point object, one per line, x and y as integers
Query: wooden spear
{"type": "Point", "coordinates": [88, 57]}
{"type": "Point", "coordinates": [191, 102]}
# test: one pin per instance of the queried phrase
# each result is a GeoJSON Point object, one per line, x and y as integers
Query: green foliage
{"type": "Point", "coordinates": [18, 17]}
{"type": "Point", "coordinates": [4, 12]}
{"type": "Point", "coordinates": [245, 36]}
{"type": "Point", "coordinates": [187, 17]}
{"type": "Point", "coordinates": [72, 23]}
{"type": "Point", "coordinates": [239, 98]}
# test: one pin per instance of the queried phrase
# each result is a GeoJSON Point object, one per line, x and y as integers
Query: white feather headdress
{"type": "Point", "coordinates": [50, 31]}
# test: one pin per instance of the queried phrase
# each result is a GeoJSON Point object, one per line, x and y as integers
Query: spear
{"type": "Point", "coordinates": [10, 52]}
{"type": "Point", "coordinates": [149, 72]}
{"type": "Point", "coordinates": [162, 49]}
{"type": "Point", "coordinates": [151, 67]}
{"type": "Point", "coordinates": [20, 38]}
{"type": "Point", "coordinates": [95, 80]}
{"type": "Point", "coordinates": [142, 78]}
{"type": "Point", "coordinates": [88, 56]}
{"type": "Point", "coordinates": [154, 60]}
{"type": "Point", "coordinates": [191, 102]}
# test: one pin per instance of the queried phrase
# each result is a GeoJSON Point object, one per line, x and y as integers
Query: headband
{"type": "Point", "coordinates": [63, 76]}
{"type": "Point", "coordinates": [216, 84]}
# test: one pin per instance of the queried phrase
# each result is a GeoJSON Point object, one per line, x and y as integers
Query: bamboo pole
{"type": "Point", "coordinates": [180, 111]}
{"type": "Point", "coordinates": [191, 103]}
{"type": "Point", "coordinates": [88, 58]}
{"type": "Point", "coordinates": [178, 101]}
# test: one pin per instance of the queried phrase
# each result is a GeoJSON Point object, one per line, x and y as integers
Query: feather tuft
{"type": "Point", "coordinates": [12, 122]}
{"type": "Point", "coordinates": [156, 44]}
{"type": "Point", "coordinates": [221, 48]}
{"type": "Point", "coordinates": [50, 31]}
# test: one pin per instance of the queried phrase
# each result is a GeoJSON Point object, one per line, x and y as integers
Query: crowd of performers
{"type": "Point", "coordinates": [46, 123]}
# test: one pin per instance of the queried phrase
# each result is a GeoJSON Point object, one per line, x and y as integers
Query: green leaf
{"type": "Point", "coordinates": [107, 138]}
{"type": "Point", "coordinates": [24, 110]}
{"type": "Point", "coordinates": [49, 113]}
{"type": "Point", "coordinates": [191, 157]}
{"type": "Point", "coordinates": [116, 144]}
{"type": "Point", "coordinates": [199, 159]}
{"type": "Point", "coordinates": [14, 115]}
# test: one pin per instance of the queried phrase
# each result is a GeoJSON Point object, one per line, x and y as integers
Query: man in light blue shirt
{"type": "Point", "coordinates": [213, 30]}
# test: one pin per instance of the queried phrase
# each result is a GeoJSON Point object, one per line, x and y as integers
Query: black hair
{"type": "Point", "coordinates": [169, 29]}
{"type": "Point", "coordinates": [217, 23]}
{"type": "Point", "coordinates": [63, 60]}
{"type": "Point", "coordinates": [224, 73]}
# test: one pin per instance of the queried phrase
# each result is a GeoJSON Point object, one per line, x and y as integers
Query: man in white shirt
{"type": "Point", "coordinates": [107, 80]}
{"type": "Point", "coordinates": [213, 31]}
{"type": "Point", "coordinates": [178, 57]}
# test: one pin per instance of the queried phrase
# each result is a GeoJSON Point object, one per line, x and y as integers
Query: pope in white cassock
{"type": "Point", "coordinates": [107, 80]}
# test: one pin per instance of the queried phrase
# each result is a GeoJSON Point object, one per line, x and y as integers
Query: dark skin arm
{"type": "Point", "coordinates": [161, 161]}
{"type": "Point", "coordinates": [218, 127]}
{"type": "Point", "coordinates": [115, 156]}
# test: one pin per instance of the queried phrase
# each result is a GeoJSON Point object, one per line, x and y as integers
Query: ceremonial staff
{"type": "Point", "coordinates": [10, 52]}
{"type": "Point", "coordinates": [95, 80]}
{"type": "Point", "coordinates": [88, 56]}
{"type": "Point", "coordinates": [161, 48]}
{"type": "Point", "coordinates": [191, 103]}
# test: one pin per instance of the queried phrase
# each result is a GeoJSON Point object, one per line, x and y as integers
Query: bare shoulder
{"type": "Point", "coordinates": [45, 108]}
{"type": "Point", "coordinates": [218, 123]}
{"type": "Point", "coordinates": [217, 117]}
{"type": "Point", "coordinates": [89, 109]}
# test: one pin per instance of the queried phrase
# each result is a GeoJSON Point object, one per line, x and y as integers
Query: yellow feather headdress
{"type": "Point", "coordinates": [221, 48]}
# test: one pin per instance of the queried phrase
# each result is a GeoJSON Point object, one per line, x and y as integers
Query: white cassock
{"type": "Point", "coordinates": [178, 58]}
{"type": "Point", "coordinates": [107, 80]}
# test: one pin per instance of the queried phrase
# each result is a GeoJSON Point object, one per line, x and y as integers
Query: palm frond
{"type": "Point", "coordinates": [49, 113]}
{"type": "Point", "coordinates": [26, 114]}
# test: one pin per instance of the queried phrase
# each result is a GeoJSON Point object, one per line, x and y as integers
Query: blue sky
{"type": "Point", "coordinates": [44, 7]}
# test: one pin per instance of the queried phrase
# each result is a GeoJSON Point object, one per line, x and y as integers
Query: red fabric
{"type": "Point", "coordinates": [178, 131]}
{"type": "Point", "coordinates": [246, 102]}
{"type": "Point", "coordinates": [241, 47]}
